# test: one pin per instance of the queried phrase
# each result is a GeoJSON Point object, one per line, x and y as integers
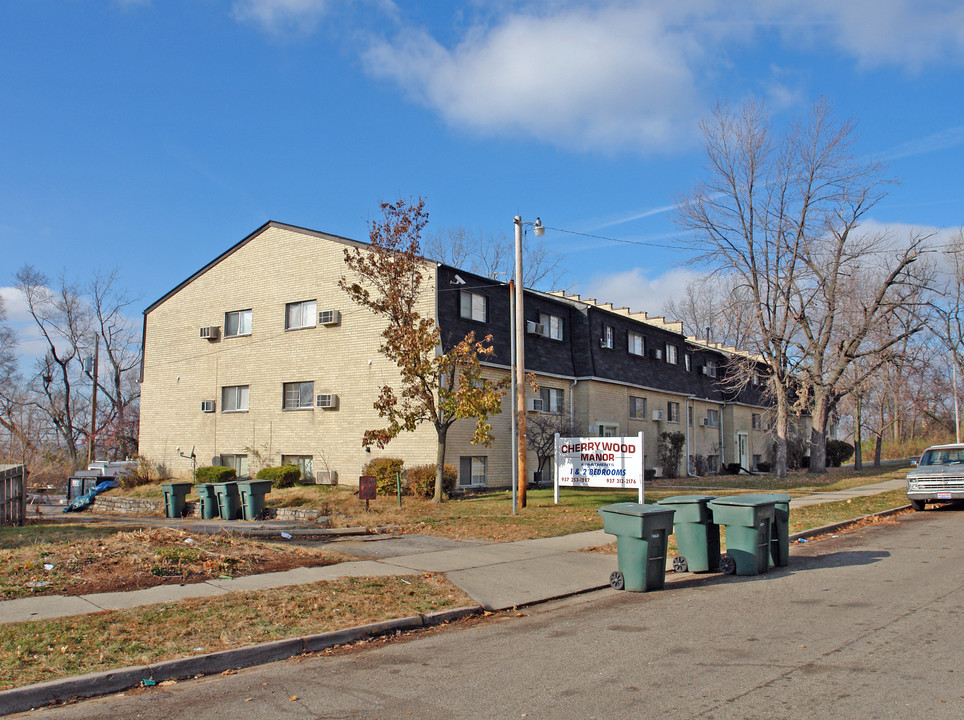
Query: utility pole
{"type": "Point", "coordinates": [92, 439]}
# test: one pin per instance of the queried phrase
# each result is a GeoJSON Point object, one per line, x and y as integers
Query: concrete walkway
{"type": "Point", "coordinates": [497, 576]}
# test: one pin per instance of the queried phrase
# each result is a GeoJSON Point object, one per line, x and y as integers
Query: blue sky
{"type": "Point", "coordinates": [150, 135]}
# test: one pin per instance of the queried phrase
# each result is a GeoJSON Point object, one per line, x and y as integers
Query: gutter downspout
{"type": "Point", "coordinates": [689, 430]}
{"type": "Point", "coordinates": [722, 445]}
{"type": "Point", "coordinates": [572, 402]}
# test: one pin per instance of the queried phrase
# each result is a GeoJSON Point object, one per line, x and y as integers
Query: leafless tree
{"type": "Point", "coordinates": [493, 256]}
{"type": "Point", "coordinates": [541, 430]}
{"type": "Point", "coordinates": [783, 215]}
{"type": "Point", "coordinates": [715, 308]}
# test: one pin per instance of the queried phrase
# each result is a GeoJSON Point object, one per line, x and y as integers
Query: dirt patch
{"type": "Point", "coordinates": [144, 558]}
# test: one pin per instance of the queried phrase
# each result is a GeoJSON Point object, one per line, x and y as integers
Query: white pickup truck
{"type": "Point", "coordinates": [938, 477]}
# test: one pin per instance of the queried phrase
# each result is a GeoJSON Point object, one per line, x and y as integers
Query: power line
{"type": "Point", "coordinates": [644, 243]}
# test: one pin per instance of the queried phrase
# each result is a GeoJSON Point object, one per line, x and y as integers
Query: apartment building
{"type": "Point", "coordinates": [259, 358]}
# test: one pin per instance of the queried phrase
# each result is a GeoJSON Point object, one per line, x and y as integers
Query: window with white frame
{"type": "Point", "coordinates": [234, 398]}
{"type": "Point", "coordinates": [472, 470]}
{"type": "Point", "coordinates": [712, 418]}
{"type": "Point", "coordinates": [553, 400]}
{"type": "Point", "coordinates": [237, 323]}
{"type": "Point", "coordinates": [552, 324]}
{"type": "Point", "coordinates": [300, 314]}
{"type": "Point", "coordinates": [473, 306]}
{"type": "Point", "coordinates": [608, 430]}
{"type": "Point", "coordinates": [711, 368]}
{"type": "Point", "coordinates": [672, 354]}
{"type": "Point", "coordinates": [687, 361]}
{"type": "Point", "coordinates": [756, 422]}
{"type": "Point", "coordinates": [637, 346]}
{"type": "Point", "coordinates": [298, 395]}
{"type": "Point", "coordinates": [637, 408]}
{"type": "Point", "coordinates": [302, 462]}
{"type": "Point", "coordinates": [672, 411]}
{"type": "Point", "coordinates": [608, 337]}
{"type": "Point", "coordinates": [238, 462]}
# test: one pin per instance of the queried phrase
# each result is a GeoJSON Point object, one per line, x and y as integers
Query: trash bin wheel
{"type": "Point", "coordinates": [918, 505]}
{"type": "Point", "coordinates": [727, 565]}
{"type": "Point", "coordinates": [679, 564]}
{"type": "Point", "coordinates": [617, 581]}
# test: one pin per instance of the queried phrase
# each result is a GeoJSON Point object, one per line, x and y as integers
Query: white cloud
{"type": "Point", "coordinates": [638, 291]}
{"type": "Point", "coordinates": [281, 17]}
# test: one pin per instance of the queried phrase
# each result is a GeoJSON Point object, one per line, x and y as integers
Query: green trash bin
{"type": "Point", "coordinates": [174, 498]}
{"type": "Point", "coordinates": [780, 530]}
{"type": "Point", "coordinates": [748, 519]}
{"type": "Point", "coordinates": [641, 532]}
{"type": "Point", "coordinates": [252, 497]}
{"type": "Point", "coordinates": [697, 536]}
{"type": "Point", "coordinates": [208, 501]}
{"type": "Point", "coordinates": [229, 501]}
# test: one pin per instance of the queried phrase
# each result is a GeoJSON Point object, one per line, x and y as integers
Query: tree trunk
{"type": "Point", "coordinates": [780, 444]}
{"type": "Point", "coordinates": [858, 452]}
{"type": "Point", "coordinates": [818, 434]}
{"type": "Point", "coordinates": [439, 464]}
{"type": "Point", "coordinates": [877, 448]}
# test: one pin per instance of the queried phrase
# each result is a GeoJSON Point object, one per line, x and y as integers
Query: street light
{"type": "Point", "coordinates": [519, 372]}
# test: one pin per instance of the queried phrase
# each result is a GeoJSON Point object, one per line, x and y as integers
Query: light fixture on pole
{"type": "Point", "coordinates": [519, 369]}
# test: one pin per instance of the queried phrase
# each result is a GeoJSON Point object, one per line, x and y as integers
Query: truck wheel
{"type": "Point", "coordinates": [918, 505]}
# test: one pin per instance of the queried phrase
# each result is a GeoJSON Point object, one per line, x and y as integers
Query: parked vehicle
{"type": "Point", "coordinates": [938, 477]}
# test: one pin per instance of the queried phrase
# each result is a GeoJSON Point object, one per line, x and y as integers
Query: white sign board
{"type": "Point", "coordinates": [600, 462]}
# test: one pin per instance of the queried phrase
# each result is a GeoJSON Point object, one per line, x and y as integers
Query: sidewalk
{"type": "Point", "coordinates": [497, 576]}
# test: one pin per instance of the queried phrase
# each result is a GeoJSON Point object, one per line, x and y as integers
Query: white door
{"type": "Point", "coordinates": [743, 449]}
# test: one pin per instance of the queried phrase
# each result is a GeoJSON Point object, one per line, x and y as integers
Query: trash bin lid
{"type": "Point", "coordinates": [686, 499]}
{"type": "Point", "coordinates": [776, 497]}
{"type": "Point", "coordinates": [636, 509]}
{"type": "Point", "coordinates": [748, 500]}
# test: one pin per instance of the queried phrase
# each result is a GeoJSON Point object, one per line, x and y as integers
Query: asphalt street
{"type": "Point", "coordinates": [865, 625]}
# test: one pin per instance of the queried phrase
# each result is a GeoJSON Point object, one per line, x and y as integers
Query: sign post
{"type": "Point", "coordinates": [615, 463]}
{"type": "Point", "coordinates": [367, 488]}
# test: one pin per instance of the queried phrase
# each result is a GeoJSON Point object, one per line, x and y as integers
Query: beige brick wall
{"type": "Point", "coordinates": [181, 370]}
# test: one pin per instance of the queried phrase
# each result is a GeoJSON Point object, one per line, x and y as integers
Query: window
{"type": "Point", "coordinates": [713, 463]}
{"type": "Point", "coordinates": [473, 306]}
{"type": "Point", "coordinates": [687, 362]}
{"type": "Point", "coordinates": [608, 337]}
{"type": "Point", "coordinates": [757, 459]}
{"type": "Point", "coordinates": [237, 323]}
{"type": "Point", "coordinates": [672, 411]}
{"type": "Point", "coordinates": [710, 368]}
{"type": "Point", "coordinates": [553, 325]}
{"type": "Point", "coordinates": [300, 315]}
{"type": "Point", "coordinates": [636, 344]}
{"type": "Point", "coordinates": [238, 462]}
{"type": "Point", "coordinates": [472, 471]}
{"type": "Point", "coordinates": [234, 398]}
{"type": "Point", "coordinates": [712, 418]}
{"type": "Point", "coordinates": [756, 422]}
{"type": "Point", "coordinates": [553, 400]}
{"type": "Point", "coordinates": [303, 462]}
{"type": "Point", "coordinates": [608, 430]}
{"type": "Point", "coordinates": [672, 355]}
{"type": "Point", "coordinates": [637, 408]}
{"type": "Point", "coordinates": [298, 395]}
{"type": "Point", "coordinates": [689, 415]}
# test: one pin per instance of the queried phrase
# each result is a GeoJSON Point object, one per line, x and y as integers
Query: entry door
{"type": "Point", "coordinates": [743, 449]}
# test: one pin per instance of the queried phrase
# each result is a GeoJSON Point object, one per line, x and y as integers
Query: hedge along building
{"type": "Point", "coordinates": [259, 358]}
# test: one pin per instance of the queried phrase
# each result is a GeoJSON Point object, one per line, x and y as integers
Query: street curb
{"type": "Point", "coordinates": [91, 685]}
{"type": "Point", "coordinates": [824, 529]}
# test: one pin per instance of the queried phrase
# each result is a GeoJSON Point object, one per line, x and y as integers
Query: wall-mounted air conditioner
{"type": "Point", "coordinates": [329, 317]}
{"type": "Point", "coordinates": [536, 405]}
{"type": "Point", "coordinates": [705, 422]}
{"type": "Point", "coordinates": [207, 406]}
{"type": "Point", "coordinates": [327, 401]}
{"type": "Point", "coordinates": [658, 415]}
{"type": "Point", "coordinates": [326, 477]}
{"type": "Point", "coordinates": [211, 332]}
{"type": "Point", "coordinates": [534, 328]}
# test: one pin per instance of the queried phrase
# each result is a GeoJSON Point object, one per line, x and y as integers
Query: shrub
{"type": "Point", "coordinates": [421, 480]}
{"type": "Point", "coordinates": [384, 470]}
{"type": "Point", "coordinates": [763, 467]}
{"type": "Point", "coordinates": [281, 476]}
{"type": "Point", "coordinates": [670, 452]}
{"type": "Point", "coordinates": [838, 452]}
{"type": "Point", "coordinates": [145, 473]}
{"type": "Point", "coordinates": [733, 468]}
{"type": "Point", "coordinates": [215, 474]}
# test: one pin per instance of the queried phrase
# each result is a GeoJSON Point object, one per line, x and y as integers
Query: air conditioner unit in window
{"type": "Point", "coordinates": [327, 401]}
{"type": "Point", "coordinates": [536, 405]}
{"type": "Point", "coordinates": [658, 415]}
{"type": "Point", "coordinates": [211, 332]}
{"type": "Point", "coordinates": [534, 328]}
{"type": "Point", "coordinates": [207, 406]}
{"type": "Point", "coordinates": [329, 317]}
{"type": "Point", "coordinates": [705, 422]}
{"type": "Point", "coordinates": [326, 477]}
